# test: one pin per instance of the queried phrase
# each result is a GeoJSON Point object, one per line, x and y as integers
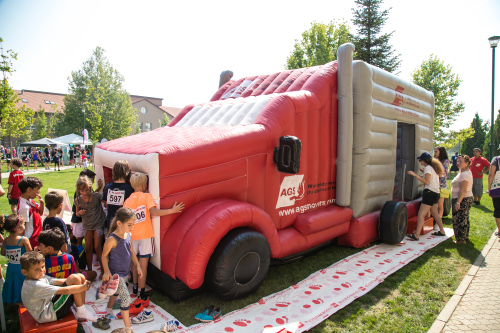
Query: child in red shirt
{"type": "Point", "coordinates": [13, 193]}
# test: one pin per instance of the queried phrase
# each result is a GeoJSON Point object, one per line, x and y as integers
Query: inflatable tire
{"type": "Point", "coordinates": [393, 222]}
{"type": "Point", "coordinates": [447, 206]}
{"type": "Point", "coordinates": [238, 265]}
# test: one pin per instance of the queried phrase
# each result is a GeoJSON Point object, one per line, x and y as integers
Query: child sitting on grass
{"type": "Point", "coordinates": [54, 203]}
{"type": "Point", "coordinates": [57, 264]}
{"type": "Point", "coordinates": [48, 299]}
{"type": "Point", "coordinates": [144, 206]}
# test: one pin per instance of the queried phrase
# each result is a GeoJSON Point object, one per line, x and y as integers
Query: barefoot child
{"type": "Point", "coordinates": [48, 299]}
{"type": "Point", "coordinates": [142, 235]}
{"type": "Point", "coordinates": [116, 258]}
{"type": "Point", "coordinates": [13, 247]}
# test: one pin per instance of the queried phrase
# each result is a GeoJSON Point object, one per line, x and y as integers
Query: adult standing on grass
{"type": "Point", "coordinates": [478, 167]}
{"type": "Point", "coordinates": [454, 166]}
{"type": "Point", "coordinates": [461, 199]}
{"type": "Point", "coordinates": [441, 154]}
{"type": "Point", "coordinates": [493, 187]}
{"type": "Point", "coordinates": [430, 197]}
{"type": "Point", "coordinates": [47, 157]}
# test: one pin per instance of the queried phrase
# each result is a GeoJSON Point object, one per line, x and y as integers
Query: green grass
{"type": "Point", "coordinates": [407, 301]}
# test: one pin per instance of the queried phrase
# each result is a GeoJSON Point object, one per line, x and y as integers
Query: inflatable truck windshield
{"type": "Point", "coordinates": [278, 165]}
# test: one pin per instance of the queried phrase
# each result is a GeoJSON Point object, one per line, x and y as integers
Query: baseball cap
{"type": "Point", "coordinates": [425, 156]}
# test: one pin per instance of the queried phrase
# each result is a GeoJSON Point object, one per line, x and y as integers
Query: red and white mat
{"type": "Point", "coordinates": [311, 301]}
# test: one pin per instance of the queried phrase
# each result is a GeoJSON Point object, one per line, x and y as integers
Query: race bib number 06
{"type": "Point", "coordinates": [14, 255]}
{"type": "Point", "coordinates": [140, 214]}
{"type": "Point", "coordinates": [116, 198]}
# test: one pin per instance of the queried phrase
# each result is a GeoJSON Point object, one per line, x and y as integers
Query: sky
{"type": "Point", "coordinates": [176, 50]}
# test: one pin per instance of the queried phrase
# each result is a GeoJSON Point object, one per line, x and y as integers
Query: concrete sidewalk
{"type": "Point", "coordinates": [475, 306]}
{"type": "Point", "coordinates": [33, 173]}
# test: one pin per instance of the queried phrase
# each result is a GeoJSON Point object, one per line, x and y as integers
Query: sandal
{"type": "Point", "coordinates": [102, 323]}
{"type": "Point", "coordinates": [412, 237]}
{"type": "Point", "coordinates": [438, 233]}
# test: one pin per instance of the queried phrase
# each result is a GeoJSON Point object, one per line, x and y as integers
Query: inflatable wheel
{"type": "Point", "coordinates": [393, 222]}
{"type": "Point", "coordinates": [239, 264]}
{"type": "Point", "coordinates": [447, 206]}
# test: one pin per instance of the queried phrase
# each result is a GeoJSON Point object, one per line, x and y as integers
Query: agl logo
{"type": "Point", "coordinates": [292, 188]}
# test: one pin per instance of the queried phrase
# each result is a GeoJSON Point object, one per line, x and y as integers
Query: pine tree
{"type": "Point", "coordinates": [372, 46]}
{"type": "Point", "coordinates": [477, 140]}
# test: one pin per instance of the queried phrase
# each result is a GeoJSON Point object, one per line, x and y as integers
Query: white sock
{"type": "Point", "coordinates": [82, 312]}
{"type": "Point", "coordinates": [110, 310]}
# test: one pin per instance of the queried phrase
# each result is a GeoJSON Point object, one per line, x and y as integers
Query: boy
{"type": "Point", "coordinates": [57, 264]}
{"type": "Point", "coordinates": [15, 177]}
{"type": "Point", "coordinates": [48, 299]}
{"type": "Point", "coordinates": [142, 233]}
{"type": "Point", "coordinates": [54, 203]}
{"type": "Point", "coordinates": [116, 192]}
{"type": "Point", "coordinates": [29, 209]}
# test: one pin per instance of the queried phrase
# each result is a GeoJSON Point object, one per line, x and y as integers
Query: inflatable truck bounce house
{"type": "Point", "coordinates": [278, 165]}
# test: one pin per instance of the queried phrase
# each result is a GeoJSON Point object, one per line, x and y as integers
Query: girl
{"type": "Point", "coordinates": [430, 197]}
{"type": "Point", "coordinates": [57, 161]}
{"type": "Point", "coordinates": [461, 199]}
{"type": "Point", "coordinates": [116, 258]}
{"type": "Point", "coordinates": [13, 247]}
{"type": "Point", "coordinates": [35, 159]}
{"type": "Point", "coordinates": [88, 207]}
{"type": "Point", "coordinates": [441, 154]}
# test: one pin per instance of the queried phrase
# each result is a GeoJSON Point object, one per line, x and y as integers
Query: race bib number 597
{"type": "Point", "coordinates": [116, 198]}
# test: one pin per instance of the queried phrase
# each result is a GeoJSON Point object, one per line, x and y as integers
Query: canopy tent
{"type": "Point", "coordinates": [72, 139]}
{"type": "Point", "coordinates": [43, 142]}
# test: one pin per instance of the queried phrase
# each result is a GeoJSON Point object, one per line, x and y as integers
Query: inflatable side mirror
{"type": "Point", "coordinates": [287, 155]}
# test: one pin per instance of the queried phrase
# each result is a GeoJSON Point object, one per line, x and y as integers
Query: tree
{"type": "Point", "coordinates": [97, 89]}
{"type": "Point", "coordinates": [41, 125]}
{"type": "Point", "coordinates": [14, 122]}
{"type": "Point", "coordinates": [477, 140]}
{"type": "Point", "coordinates": [318, 45]}
{"type": "Point", "coordinates": [453, 138]}
{"type": "Point", "coordinates": [371, 46]}
{"type": "Point", "coordinates": [438, 78]}
{"type": "Point", "coordinates": [164, 121]}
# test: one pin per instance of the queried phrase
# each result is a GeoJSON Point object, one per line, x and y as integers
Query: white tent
{"type": "Point", "coordinates": [43, 142]}
{"type": "Point", "coordinates": [73, 139]}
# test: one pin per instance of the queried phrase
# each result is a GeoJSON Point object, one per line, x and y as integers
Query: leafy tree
{"type": "Point", "coordinates": [318, 45]}
{"type": "Point", "coordinates": [97, 89]}
{"type": "Point", "coordinates": [453, 138]}
{"type": "Point", "coordinates": [14, 122]}
{"type": "Point", "coordinates": [438, 78]}
{"type": "Point", "coordinates": [477, 140]}
{"type": "Point", "coordinates": [41, 125]}
{"type": "Point", "coordinates": [372, 46]}
{"type": "Point", "coordinates": [164, 121]}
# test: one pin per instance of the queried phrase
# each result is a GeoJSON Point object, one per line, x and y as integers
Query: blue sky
{"type": "Point", "coordinates": [176, 50]}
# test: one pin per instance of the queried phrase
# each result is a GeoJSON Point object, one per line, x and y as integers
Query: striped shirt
{"type": "Point", "coordinates": [60, 267]}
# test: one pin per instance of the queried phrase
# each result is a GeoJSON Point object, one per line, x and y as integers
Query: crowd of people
{"type": "Point", "coordinates": [50, 262]}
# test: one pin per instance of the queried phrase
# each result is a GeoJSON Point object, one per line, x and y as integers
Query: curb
{"type": "Point", "coordinates": [452, 304]}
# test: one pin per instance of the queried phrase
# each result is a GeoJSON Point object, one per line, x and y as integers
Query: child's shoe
{"type": "Point", "coordinates": [133, 310]}
{"type": "Point", "coordinates": [170, 326]}
{"type": "Point", "coordinates": [144, 302]}
{"type": "Point", "coordinates": [102, 289]}
{"type": "Point", "coordinates": [216, 313]}
{"type": "Point", "coordinates": [143, 317]}
{"type": "Point", "coordinates": [205, 311]}
{"type": "Point", "coordinates": [112, 285]}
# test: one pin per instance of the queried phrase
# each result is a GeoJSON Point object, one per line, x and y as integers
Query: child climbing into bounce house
{"type": "Point", "coordinates": [144, 207]}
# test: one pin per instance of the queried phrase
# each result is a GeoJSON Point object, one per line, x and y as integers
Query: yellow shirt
{"type": "Point", "coordinates": [141, 202]}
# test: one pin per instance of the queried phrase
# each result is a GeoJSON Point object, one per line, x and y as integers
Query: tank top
{"type": "Point", "coordinates": [119, 256]}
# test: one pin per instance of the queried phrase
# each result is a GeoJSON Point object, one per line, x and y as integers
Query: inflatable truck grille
{"type": "Point", "coordinates": [276, 165]}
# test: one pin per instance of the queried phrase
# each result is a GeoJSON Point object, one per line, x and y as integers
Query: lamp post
{"type": "Point", "coordinates": [83, 110]}
{"type": "Point", "coordinates": [493, 43]}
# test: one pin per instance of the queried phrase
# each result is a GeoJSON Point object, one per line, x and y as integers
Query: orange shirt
{"type": "Point", "coordinates": [141, 202]}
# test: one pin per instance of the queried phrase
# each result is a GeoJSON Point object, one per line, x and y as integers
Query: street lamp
{"type": "Point", "coordinates": [83, 110]}
{"type": "Point", "coordinates": [493, 43]}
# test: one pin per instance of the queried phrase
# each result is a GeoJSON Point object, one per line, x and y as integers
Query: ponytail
{"type": "Point", "coordinates": [437, 166]}
{"type": "Point", "coordinates": [123, 214]}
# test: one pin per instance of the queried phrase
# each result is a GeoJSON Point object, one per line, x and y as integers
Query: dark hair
{"type": "Point", "coordinates": [53, 237]}
{"type": "Point", "coordinates": [443, 155]}
{"type": "Point", "coordinates": [53, 200]}
{"type": "Point", "coordinates": [16, 162]}
{"type": "Point", "coordinates": [479, 150]}
{"type": "Point", "coordinates": [87, 173]}
{"type": "Point", "coordinates": [123, 214]}
{"type": "Point", "coordinates": [121, 170]}
{"type": "Point", "coordinates": [10, 222]}
{"type": "Point", "coordinates": [31, 258]}
{"type": "Point", "coordinates": [29, 182]}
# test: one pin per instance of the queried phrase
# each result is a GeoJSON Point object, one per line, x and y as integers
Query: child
{"type": "Point", "coordinates": [13, 247]}
{"type": "Point", "coordinates": [26, 159]}
{"type": "Point", "coordinates": [35, 159]}
{"type": "Point", "coordinates": [88, 206]}
{"type": "Point", "coordinates": [78, 253]}
{"type": "Point", "coordinates": [57, 159]}
{"type": "Point", "coordinates": [54, 203]}
{"type": "Point", "coordinates": [48, 299]}
{"type": "Point", "coordinates": [57, 264]}
{"type": "Point", "coordinates": [15, 177]}
{"type": "Point", "coordinates": [116, 258]}
{"type": "Point", "coordinates": [116, 192]}
{"type": "Point", "coordinates": [29, 209]}
{"type": "Point", "coordinates": [143, 206]}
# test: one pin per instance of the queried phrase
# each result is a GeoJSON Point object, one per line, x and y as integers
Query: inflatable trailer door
{"type": "Point", "coordinates": [405, 161]}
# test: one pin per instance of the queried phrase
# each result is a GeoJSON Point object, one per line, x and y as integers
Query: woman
{"type": "Point", "coordinates": [430, 197]}
{"type": "Point", "coordinates": [461, 199]}
{"type": "Point", "coordinates": [441, 154]}
{"type": "Point", "coordinates": [494, 167]}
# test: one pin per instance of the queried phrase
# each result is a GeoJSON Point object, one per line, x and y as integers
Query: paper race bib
{"type": "Point", "coordinates": [116, 197]}
{"type": "Point", "coordinates": [140, 214]}
{"type": "Point", "coordinates": [14, 255]}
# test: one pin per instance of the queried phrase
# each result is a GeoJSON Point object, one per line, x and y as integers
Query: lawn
{"type": "Point", "coordinates": [407, 301]}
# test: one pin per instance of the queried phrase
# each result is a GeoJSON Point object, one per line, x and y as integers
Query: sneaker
{"type": "Point", "coordinates": [112, 285]}
{"type": "Point", "coordinates": [110, 316]}
{"type": "Point", "coordinates": [102, 289]}
{"type": "Point", "coordinates": [133, 310]}
{"type": "Point", "coordinates": [144, 302]}
{"type": "Point", "coordinates": [143, 317]}
{"type": "Point", "coordinates": [216, 313]}
{"type": "Point", "coordinates": [205, 311]}
{"type": "Point", "coordinates": [170, 326]}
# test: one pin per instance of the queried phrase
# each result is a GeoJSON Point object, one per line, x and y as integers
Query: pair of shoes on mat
{"type": "Point", "coordinates": [143, 317]}
{"type": "Point", "coordinates": [170, 326]}
{"type": "Point", "coordinates": [208, 314]}
{"type": "Point", "coordinates": [102, 323]}
{"type": "Point", "coordinates": [110, 287]}
{"type": "Point", "coordinates": [412, 237]}
{"type": "Point", "coordinates": [438, 233]}
{"type": "Point", "coordinates": [133, 310]}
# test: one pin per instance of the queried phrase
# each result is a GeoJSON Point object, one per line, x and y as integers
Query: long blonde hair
{"type": "Point", "coordinates": [123, 214]}
{"type": "Point", "coordinates": [437, 166]}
